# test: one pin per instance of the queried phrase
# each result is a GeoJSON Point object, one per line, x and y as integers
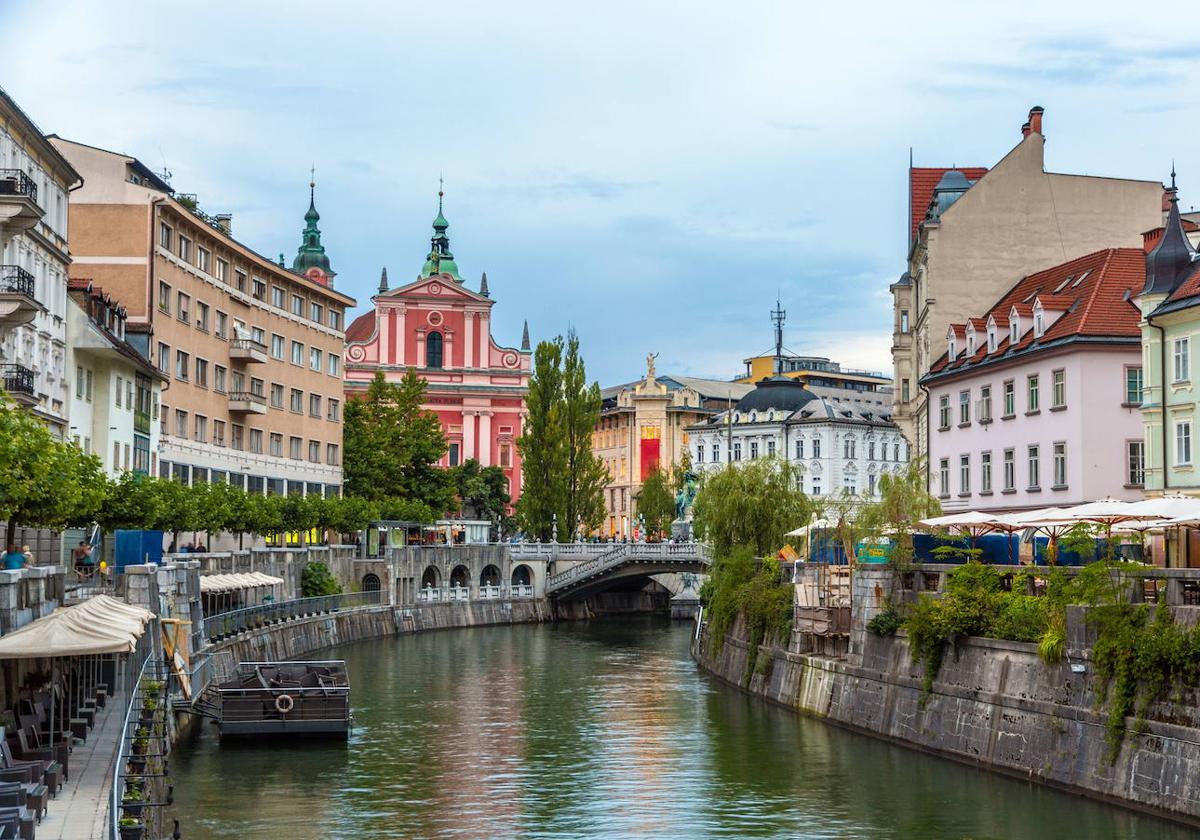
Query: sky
{"type": "Point", "coordinates": [649, 174]}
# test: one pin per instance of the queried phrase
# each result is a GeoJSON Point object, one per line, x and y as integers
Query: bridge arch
{"type": "Point", "coordinates": [490, 576]}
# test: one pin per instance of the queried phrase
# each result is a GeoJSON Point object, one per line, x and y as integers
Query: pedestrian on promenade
{"type": "Point", "coordinates": [28, 555]}
{"type": "Point", "coordinates": [13, 559]}
{"type": "Point", "coordinates": [81, 556]}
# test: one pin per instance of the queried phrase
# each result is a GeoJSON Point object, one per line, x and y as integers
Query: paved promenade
{"type": "Point", "coordinates": [80, 812]}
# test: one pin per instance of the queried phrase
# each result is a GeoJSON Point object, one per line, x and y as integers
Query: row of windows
{"type": "Point", "coordinates": [196, 427]}
{"type": "Point", "coordinates": [256, 484]}
{"type": "Point", "coordinates": [317, 359]}
{"type": "Point", "coordinates": [196, 371]}
{"type": "Point", "coordinates": [181, 246]}
{"type": "Point", "coordinates": [123, 391]}
{"type": "Point", "coordinates": [849, 450]}
{"type": "Point", "coordinates": [1033, 398]}
{"type": "Point", "coordinates": [1135, 469]}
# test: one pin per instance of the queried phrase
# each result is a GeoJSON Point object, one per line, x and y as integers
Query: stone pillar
{"type": "Point", "coordinates": [870, 587]}
{"type": "Point", "coordinates": [36, 578]}
{"type": "Point", "coordinates": [10, 599]}
{"type": "Point", "coordinates": [141, 586]}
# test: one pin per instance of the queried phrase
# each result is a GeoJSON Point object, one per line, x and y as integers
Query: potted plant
{"type": "Point", "coordinates": [134, 799]}
{"type": "Point", "coordinates": [131, 828]}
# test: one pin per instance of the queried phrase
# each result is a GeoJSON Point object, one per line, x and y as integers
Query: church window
{"type": "Point", "coordinates": [433, 350]}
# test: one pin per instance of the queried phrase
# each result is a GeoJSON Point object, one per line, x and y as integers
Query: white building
{"type": "Point", "coordinates": [34, 182]}
{"type": "Point", "coordinates": [116, 391]}
{"type": "Point", "coordinates": [841, 447]}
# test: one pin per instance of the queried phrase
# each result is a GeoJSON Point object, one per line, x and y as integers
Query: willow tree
{"type": "Point", "coordinates": [752, 504]}
{"type": "Point", "coordinates": [904, 500]}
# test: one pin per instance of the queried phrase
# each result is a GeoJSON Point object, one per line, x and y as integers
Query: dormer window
{"type": "Point", "coordinates": [971, 343]}
{"type": "Point", "coordinates": [991, 335]}
{"type": "Point", "coordinates": [1014, 331]}
{"type": "Point", "coordinates": [1039, 322]}
{"type": "Point", "coordinates": [953, 349]}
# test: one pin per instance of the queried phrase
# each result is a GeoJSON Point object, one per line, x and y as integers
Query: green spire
{"type": "Point", "coordinates": [440, 260]}
{"type": "Point", "coordinates": [312, 253]}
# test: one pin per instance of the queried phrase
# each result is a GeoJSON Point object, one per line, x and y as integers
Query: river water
{"type": "Point", "coordinates": [596, 729]}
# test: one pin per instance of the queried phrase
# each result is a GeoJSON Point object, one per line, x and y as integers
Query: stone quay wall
{"type": "Point", "coordinates": [995, 705]}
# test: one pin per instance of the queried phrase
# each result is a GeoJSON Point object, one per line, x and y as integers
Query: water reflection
{"type": "Point", "coordinates": [603, 729]}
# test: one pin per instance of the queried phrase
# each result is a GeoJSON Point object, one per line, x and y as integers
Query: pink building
{"type": "Point", "coordinates": [442, 329]}
{"type": "Point", "coordinates": [1036, 401]}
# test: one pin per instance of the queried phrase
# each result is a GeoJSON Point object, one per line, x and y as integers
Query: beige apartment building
{"type": "Point", "coordinates": [252, 349]}
{"type": "Point", "coordinates": [643, 427]}
{"type": "Point", "coordinates": [975, 232]}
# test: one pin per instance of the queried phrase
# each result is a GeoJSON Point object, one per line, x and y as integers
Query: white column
{"type": "Point", "coordinates": [485, 438]}
{"type": "Point", "coordinates": [448, 348]}
{"type": "Point", "coordinates": [469, 341]}
{"type": "Point", "coordinates": [421, 347]}
{"type": "Point", "coordinates": [468, 435]}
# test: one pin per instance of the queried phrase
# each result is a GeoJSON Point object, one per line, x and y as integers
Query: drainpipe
{"type": "Point", "coordinates": [1162, 401]}
{"type": "Point", "coordinates": [928, 437]}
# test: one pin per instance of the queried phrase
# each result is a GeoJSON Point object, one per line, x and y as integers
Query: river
{"type": "Point", "coordinates": [596, 729]}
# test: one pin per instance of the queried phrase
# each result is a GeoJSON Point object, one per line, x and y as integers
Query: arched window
{"type": "Point", "coordinates": [370, 582]}
{"type": "Point", "coordinates": [433, 350]}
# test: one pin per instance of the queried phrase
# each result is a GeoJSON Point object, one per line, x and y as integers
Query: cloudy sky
{"type": "Point", "coordinates": [651, 174]}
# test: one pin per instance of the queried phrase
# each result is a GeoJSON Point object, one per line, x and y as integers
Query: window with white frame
{"type": "Point", "coordinates": [1182, 360]}
{"type": "Point", "coordinates": [1058, 393]}
{"type": "Point", "coordinates": [1060, 464]}
{"type": "Point", "coordinates": [951, 348]}
{"type": "Point", "coordinates": [1032, 397]}
{"type": "Point", "coordinates": [1133, 385]}
{"type": "Point", "coordinates": [1183, 442]}
{"type": "Point", "coordinates": [964, 407]}
{"type": "Point", "coordinates": [848, 447]}
{"type": "Point", "coordinates": [985, 472]}
{"type": "Point", "coordinates": [753, 449]}
{"type": "Point", "coordinates": [700, 453]}
{"type": "Point", "coordinates": [1010, 398]}
{"type": "Point", "coordinates": [991, 333]}
{"type": "Point", "coordinates": [1010, 470]}
{"type": "Point", "coordinates": [1034, 464]}
{"type": "Point", "coordinates": [1014, 332]}
{"type": "Point", "coordinates": [944, 411]}
{"type": "Point", "coordinates": [1135, 458]}
{"type": "Point", "coordinates": [816, 447]}
{"type": "Point", "coordinates": [964, 474]}
{"type": "Point", "coordinates": [944, 477]}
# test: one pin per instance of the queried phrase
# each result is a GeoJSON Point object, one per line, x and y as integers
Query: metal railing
{"type": "Point", "coordinates": [18, 379]}
{"type": "Point", "coordinates": [247, 344]}
{"type": "Point", "coordinates": [16, 182]}
{"type": "Point", "coordinates": [226, 624]}
{"type": "Point", "coordinates": [16, 280]}
{"type": "Point", "coordinates": [623, 552]}
{"type": "Point", "coordinates": [134, 754]}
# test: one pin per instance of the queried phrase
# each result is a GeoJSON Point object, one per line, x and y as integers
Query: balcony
{"type": "Point", "coordinates": [246, 402]}
{"type": "Point", "coordinates": [18, 383]}
{"type": "Point", "coordinates": [19, 209]}
{"type": "Point", "coordinates": [247, 350]}
{"type": "Point", "coordinates": [17, 303]}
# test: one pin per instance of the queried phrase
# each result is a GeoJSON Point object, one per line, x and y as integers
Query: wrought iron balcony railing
{"type": "Point", "coordinates": [18, 379]}
{"type": "Point", "coordinates": [16, 280]}
{"type": "Point", "coordinates": [16, 182]}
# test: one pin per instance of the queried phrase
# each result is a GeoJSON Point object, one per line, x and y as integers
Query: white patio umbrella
{"type": "Point", "coordinates": [970, 523]}
{"type": "Point", "coordinates": [1049, 521]}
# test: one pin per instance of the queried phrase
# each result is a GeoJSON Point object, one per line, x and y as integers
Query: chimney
{"type": "Point", "coordinates": [1035, 119]}
{"type": "Point", "coordinates": [1025, 129]}
{"type": "Point", "coordinates": [224, 222]}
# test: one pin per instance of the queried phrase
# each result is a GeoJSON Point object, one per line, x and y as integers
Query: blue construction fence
{"type": "Point", "coordinates": [993, 548]}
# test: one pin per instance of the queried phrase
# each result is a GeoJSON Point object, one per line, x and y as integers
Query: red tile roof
{"type": "Point", "coordinates": [362, 327]}
{"type": "Point", "coordinates": [921, 182]}
{"type": "Point", "coordinates": [1099, 306]}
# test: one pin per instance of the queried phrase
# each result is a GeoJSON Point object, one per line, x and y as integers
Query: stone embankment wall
{"type": "Point", "coordinates": [996, 704]}
{"type": "Point", "coordinates": [299, 638]}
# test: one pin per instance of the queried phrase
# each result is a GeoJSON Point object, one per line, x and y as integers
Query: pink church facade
{"type": "Point", "coordinates": [441, 329]}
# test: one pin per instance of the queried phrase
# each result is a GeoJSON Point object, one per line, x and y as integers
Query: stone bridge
{"type": "Point", "coordinates": [579, 570]}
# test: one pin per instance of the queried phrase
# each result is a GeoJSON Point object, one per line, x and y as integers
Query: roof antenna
{"type": "Point", "coordinates": [777, 317]}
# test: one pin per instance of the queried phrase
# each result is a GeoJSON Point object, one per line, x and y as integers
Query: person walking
{"type": "Point", "coordinates": [13, 559]}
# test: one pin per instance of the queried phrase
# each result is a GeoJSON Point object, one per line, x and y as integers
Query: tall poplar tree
{"type": "Point", "coordinates": [543, 445]}
{"type": "Point", "coordinates": [586, 475]}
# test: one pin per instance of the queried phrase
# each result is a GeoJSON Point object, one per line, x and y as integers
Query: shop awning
{"type": "Point", "coordinates": [212, 584]}
{"type": "Point", "coordinates": [98, 625]}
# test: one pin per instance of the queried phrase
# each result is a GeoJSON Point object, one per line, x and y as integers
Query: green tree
{"type": "Point", "coordinates": [392, 445]}
{"type": "Point", "coordinates": [543, 446]}
{"type": "Point", "coordinates": [44, 482]}
{"type": "Point", "coordinates": [482, 491]}
{"type": "Point", "coordinates": [904, 500]}
{"type": "Point", "coordinates": [131, 501]}
{"type": "Point", "coordinates": [317, 580]}
{"type": "Point", "coordinates": [586, 475]}
{"type": "Point", "coordinates": [753, 504]}
{"type": "Point", "coordinates": [656, 504]}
